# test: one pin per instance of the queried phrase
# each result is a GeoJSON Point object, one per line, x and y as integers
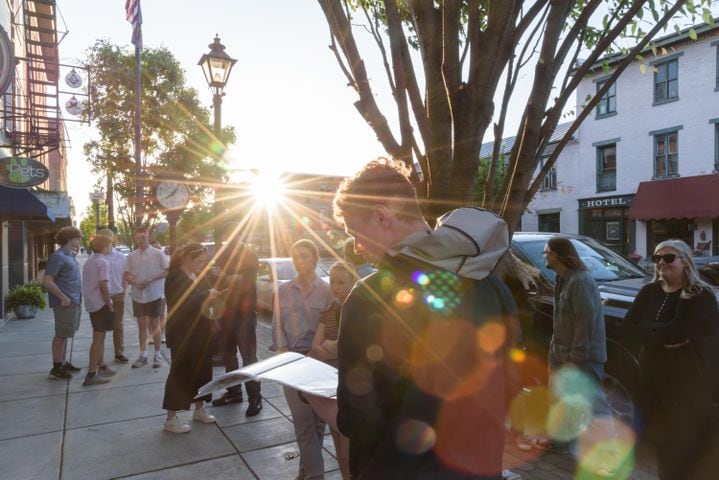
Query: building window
{"type": "Point", "coordinates": [666, 154]}
{"type": "Point", "coordinates": [548, 222]}
{"type": "Point", "coordinates": [549, 182]}
{"type": "Point", "coordinates": [666, 81]}
{"type": "Point", "coordinates": [607, 168]}
{"type": "Point", "coordinates": [716, 148]}
{"type": "Point", "coordinates": [608, 103]}
{"type": "Point", "coordinates": [717, 65]}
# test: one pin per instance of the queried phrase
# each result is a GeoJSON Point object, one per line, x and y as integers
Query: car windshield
{"type": "Point", "coordinates": [603, 263]}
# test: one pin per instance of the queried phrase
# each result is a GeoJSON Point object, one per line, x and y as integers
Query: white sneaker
{"type": "Point", "coordinates": [177, 426]}
{"type": "Point", "coordinates": [201, 415]}
{"type": "Point", "coordinates": [156, 361]}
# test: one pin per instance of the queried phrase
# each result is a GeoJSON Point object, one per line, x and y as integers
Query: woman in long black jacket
{"type": "Point", "coordinates": [678, 318]}
{"type": "Point", "coordinates": [189, 335]}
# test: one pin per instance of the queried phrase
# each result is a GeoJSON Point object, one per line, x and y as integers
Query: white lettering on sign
{"type": "Point", "coordinates": [25, 171]}
{"type": "Point", "coordinates": [606, 202]}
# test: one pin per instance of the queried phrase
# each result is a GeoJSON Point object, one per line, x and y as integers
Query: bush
{"type": "Point", "coordinates": [31, 294]}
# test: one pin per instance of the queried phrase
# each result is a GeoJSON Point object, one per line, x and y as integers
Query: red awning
{"type": "Point", "coordinates": [684, 197]}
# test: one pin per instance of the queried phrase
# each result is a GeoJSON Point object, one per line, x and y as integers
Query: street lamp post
{"type": "Point", "coordinates": [95, 197]}
{"type": "Point", "coordinates": [216, 65]}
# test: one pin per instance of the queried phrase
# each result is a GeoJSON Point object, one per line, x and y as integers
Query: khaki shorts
{"type": "Point", "coordinates": [67, 320]}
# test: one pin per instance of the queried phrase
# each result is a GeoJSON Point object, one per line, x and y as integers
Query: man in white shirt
{"type": "Point", "coordinates": [117, 286]}
{"type": "Point", "coordinates": [163, 309]}
{"type": "Point", "coordinates": [145, 270]}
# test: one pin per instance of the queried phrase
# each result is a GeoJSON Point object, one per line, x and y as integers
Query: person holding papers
{"type": "Point", "coordinates": [189, 335]}
{"type": "Point", "coordinates": [296, 313]}
{"type": "Point", "coordinates": [324, 347]}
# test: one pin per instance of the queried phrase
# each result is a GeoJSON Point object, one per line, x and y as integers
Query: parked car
{"type": "Point", "coordinates": [272, 273]}
{"type": "Point", "coordinates": [123, 249]}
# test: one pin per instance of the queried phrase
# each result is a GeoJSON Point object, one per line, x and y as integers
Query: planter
{"type": "Point", "coordinates": [25, 311]}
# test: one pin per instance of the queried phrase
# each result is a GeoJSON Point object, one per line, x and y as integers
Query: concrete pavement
{"type": "Point", "coordinates": [61, 430]}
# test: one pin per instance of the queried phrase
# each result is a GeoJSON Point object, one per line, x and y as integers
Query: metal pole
{"type": "Point", "coordinates": [97, 215]}
{"type": "Point", "coordinates": [139, 206]}
{"type": "Point", "coordinates": [109, 201]}
{"type": "Point", "coordinates": [217, 107]}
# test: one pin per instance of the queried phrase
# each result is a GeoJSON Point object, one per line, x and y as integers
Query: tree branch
{"type": "Point", "coordinates": [628, 59]}
{"type": "Point", "coordinates": [366, 105]}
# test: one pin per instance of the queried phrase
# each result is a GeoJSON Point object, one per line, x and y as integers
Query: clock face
{"type": "Point", "coordinates": [172, 195]}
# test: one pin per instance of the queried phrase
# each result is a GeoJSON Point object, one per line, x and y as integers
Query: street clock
{"type": "Point", "coordinates": [172, 195]}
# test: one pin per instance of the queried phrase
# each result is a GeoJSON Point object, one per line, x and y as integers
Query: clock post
{"type": "Point", "coordinates": [173, 196]}
{"type": "Point", "coordinates": [172, 217]}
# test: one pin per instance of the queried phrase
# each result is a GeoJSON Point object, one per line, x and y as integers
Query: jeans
{"type": "Point", "coordinates": [240, 332]}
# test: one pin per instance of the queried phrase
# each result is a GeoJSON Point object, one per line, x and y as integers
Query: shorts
{"type": "Point", "coordinates": [149, 309]}
{"type": "Point", "coordinates": [103, 320]}
{"type": "Point", "coordinates": [67, 320]}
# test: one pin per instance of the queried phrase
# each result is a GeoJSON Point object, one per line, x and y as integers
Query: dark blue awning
{"type": "Point", "coordinates": [19, 202]}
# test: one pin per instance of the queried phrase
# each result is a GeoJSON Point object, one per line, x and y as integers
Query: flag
{"type": "Point", "coordinates": [134, 16]}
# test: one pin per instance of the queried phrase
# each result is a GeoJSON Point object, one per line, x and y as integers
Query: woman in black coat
{"type": "Point", "coordinates": [189, 335]}
{"type": "Point", "coordinates": [678, 320]}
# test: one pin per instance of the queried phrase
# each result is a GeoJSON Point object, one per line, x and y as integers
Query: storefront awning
{"type": "Point", "coordinates": [684, 197]}
{"type": "Point", "coordinates": [21, 203]}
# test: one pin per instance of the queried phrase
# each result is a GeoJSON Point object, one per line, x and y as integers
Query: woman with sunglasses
{"type": "Point", "coordinates": [189, 335]}
{"type": "Point", "coordinates": [677, 317]}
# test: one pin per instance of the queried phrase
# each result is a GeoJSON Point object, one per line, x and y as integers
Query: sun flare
{"type": "Point", "coordinates": [268, 189]}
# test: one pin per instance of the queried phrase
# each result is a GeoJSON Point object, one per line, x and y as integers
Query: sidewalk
{"type": "Point", "coordinates": [61, 430]}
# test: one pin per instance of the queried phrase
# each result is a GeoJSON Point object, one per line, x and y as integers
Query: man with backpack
{"type": "Point", "coordinates": [423, 342]}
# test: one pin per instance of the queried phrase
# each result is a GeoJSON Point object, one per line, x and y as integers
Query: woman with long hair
{"type": "Point", "coordinates": [324, 347]}
{"type": "Point", "coordinates": [677, 316]}
{"type": "Point", "coordinates": [189, 335]}
{"type": "Point", "coordinates": [296, 314]}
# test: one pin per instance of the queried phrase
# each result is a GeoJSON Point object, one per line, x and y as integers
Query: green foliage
{"type": "Point", "coordinates": [87, 225]}
{"type": "Point", "coordinates": [483, 171]}
{"type": "Point", "coordinates": [31, 294]}
{"type": "Point", "coordinates": [194, 225]}
{"type": "Point", "coordinates": [177, 135]}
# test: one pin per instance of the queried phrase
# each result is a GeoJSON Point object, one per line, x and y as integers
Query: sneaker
{"type": "Point", "coordinates": [156, 361]}
{"type": "Point", "coordinates": [94, 380]}
{"type": "Point", "coordinates": [140, 362]}
{"type": "Point", "coordinates": [254, 407]}
{"type": "Point", "coordinates": [69, 367]}
{"type": "Point", "coordinates": [106, 371]}
{"type": "Point", "coordinates": [522, 442]}
{"type": "Point", "coordinates": [201, 415]}
{"type": "Point", "coordinates": [58, 373]}
{"type": "Point", "coordinates": [547, 444]}
{"type": "Point", "coordinates": [121, 359]}
{"type": "Point", "coordinates": [177, 426]}
{"type": "Point", "coordinates": [606, 471]}
{"type": "Point", "coordinates": [226, 399]}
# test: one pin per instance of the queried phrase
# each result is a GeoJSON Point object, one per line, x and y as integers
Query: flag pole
{"type": "Point", "coordinates": [139, 184]}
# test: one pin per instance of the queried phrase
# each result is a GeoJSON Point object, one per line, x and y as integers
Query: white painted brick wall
{"type": "Point", "coordinates": [636, 117]}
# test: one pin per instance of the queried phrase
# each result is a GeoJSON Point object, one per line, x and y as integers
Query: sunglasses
{"type": "Point", "coordinates": [667, 257]}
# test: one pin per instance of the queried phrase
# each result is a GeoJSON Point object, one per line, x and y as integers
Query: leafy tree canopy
{"type": "Point", "coordinates": [177, 137]}
{"type": "Point", "coordinates": [452, 67]}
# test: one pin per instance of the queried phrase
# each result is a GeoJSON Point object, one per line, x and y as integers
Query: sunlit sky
{"type": "Point", "coordinates": [286, 96]}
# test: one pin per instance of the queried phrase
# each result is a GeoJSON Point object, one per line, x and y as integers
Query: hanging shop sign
{"type": "Point", "coordinates": [73, 79]}
{"type": "Point", "coordinates": [7, 61]}
{"type": "Point", "coordinates": [74, 106]}
{"type": "Point", "coordinates": [19, 172]}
